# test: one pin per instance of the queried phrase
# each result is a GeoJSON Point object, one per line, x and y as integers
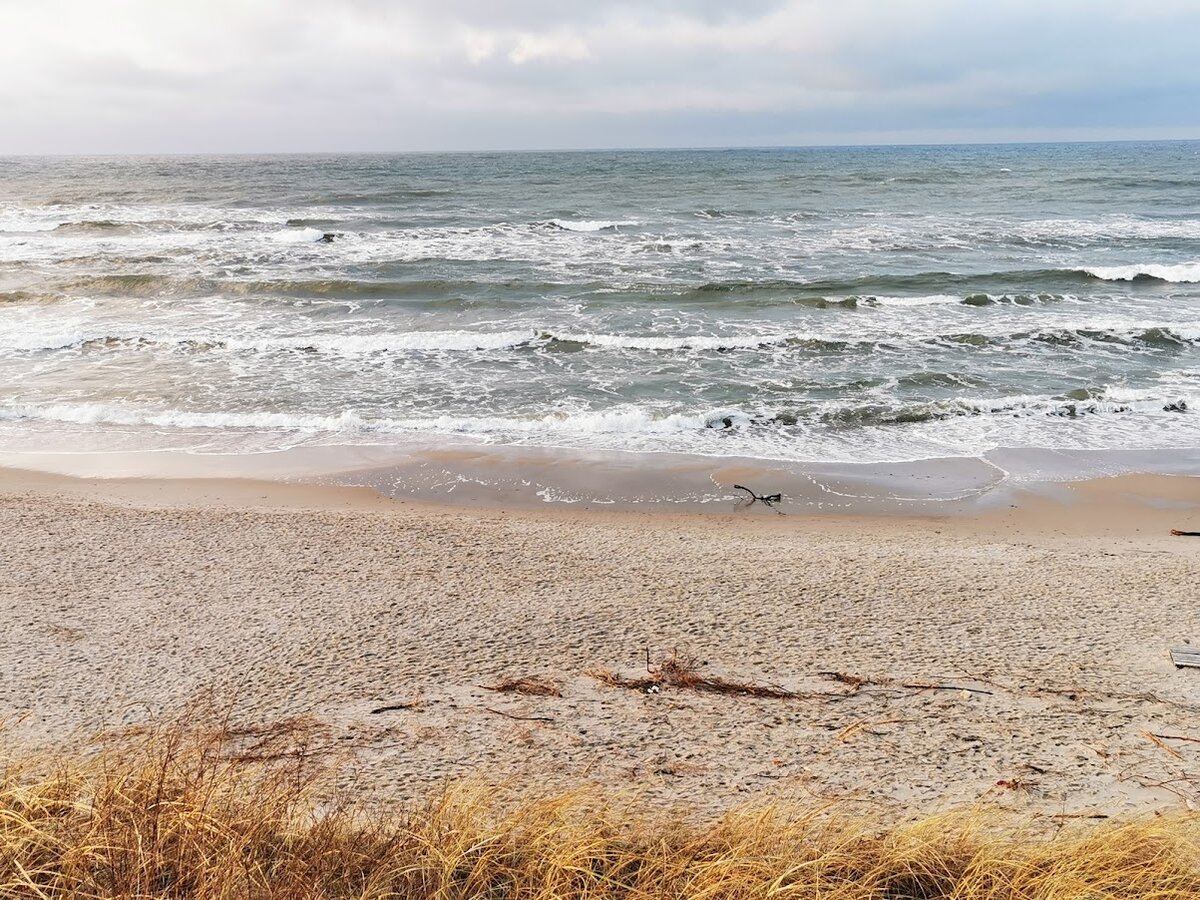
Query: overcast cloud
{"type": "Point", "coordinates": [84, 76]}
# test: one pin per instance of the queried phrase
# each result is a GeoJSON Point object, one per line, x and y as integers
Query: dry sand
{"type": "Point", "coordinates": [124, 601]}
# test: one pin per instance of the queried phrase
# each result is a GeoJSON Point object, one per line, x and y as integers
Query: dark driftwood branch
{"type": "Point", "coordinates": [1178, 533]}
{"type": "Point", "coordinates": [768, 500]}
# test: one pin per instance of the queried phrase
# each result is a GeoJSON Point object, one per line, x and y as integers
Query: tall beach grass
{"type": "Point", "coordinates": [248, 813]}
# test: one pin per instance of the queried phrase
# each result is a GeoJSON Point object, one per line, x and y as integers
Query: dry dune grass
{"type": "Point", "coordinates": [247, 814]}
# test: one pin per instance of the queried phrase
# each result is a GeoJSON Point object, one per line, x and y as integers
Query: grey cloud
{"type": "Point", "coordinates": [129, 75]}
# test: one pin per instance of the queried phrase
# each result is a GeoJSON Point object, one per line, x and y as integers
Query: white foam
{"type": "Point", "coordinates": [352, 344]}
{"type": "Point", "coordinates": [299, 235]}
{"type": "Point", "coordinates": [928, 300]}
{"type": "Point", "coordinates": [113, 414]}
{"type": "Point", "coordinates": [50, 337]}
{"type": "Point", "coordinates": [1183, 273]}
{"type": "Point", "coordinates": [1123, 227]}
{"type": "Point", "coordinates": [622, 420]}
{"type": "Point", "coordinates": [589, 224]}
{"type": "Point", "coordinates": [690, 342]}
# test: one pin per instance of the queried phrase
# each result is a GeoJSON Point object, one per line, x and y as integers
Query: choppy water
{"type": "Point", "coordinates": [823, 304]}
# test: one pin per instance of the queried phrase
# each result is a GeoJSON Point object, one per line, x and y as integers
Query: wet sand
{"type": "Point", "coordinates": [1016, 657]}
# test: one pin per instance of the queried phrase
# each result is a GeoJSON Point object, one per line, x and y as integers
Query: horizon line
{"type": "Point", "coordinates": [683, 148]}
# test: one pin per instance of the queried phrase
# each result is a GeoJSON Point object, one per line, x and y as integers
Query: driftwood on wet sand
{"type": "Point", "coordinates": [768, 500]}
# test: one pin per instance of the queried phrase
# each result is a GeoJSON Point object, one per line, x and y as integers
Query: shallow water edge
{"type": "Point", "coordinates": [523, 477]}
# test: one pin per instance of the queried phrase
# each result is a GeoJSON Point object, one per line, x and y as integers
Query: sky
{"type": "Point", "coordinates": [184, 76]}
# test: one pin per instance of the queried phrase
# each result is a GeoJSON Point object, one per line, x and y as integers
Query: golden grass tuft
{"type": "Point", "coordinates": [245, 814]}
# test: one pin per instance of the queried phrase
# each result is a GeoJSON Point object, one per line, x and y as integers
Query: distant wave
{"type": "Point", "coordinates": [1183, 273]}
{"type": "Point", "coordinates": [66, 337]}
{"type": "Point", "coordinates": [884, 290]}
{"type": "Point", "coordinates": [139, 285]}
{"type": "Point", "coordinates": [100, 226]}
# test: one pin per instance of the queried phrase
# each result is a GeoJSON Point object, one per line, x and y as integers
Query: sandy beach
{"type": "Point", "coordinates": [1018, 658]}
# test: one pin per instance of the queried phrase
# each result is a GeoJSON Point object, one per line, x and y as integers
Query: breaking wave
{"type": "Point", "coordinates": [1183, 273]}
{"type": "Point", "coordinates": [625, 420]}
{"type": "Point", "coordinates": [65, 337]}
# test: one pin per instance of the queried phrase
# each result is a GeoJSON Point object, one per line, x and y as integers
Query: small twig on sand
{"type": "Point", "coordinates": [1178, 737]}
{"type": "Point", "coordinates": [1178, 533]}
{"type": "Point", "coordinates": [920, 686]}
{"type": "Point", "coordinates": [1156, 741]}
{"type": "Point", "coordinates": [864, 726]}
{"type": "Point", "coordinates": [407, 704]}
{"type": "Point", "coordinates": [499, 712]}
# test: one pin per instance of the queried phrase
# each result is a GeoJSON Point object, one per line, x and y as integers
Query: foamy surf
{"type": "Point", "coordinates": [586, 225]}
{"type": "Point", "coordinates": [299, 236]}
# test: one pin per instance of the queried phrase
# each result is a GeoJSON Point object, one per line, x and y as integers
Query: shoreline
{"type": "Point", "coordinates": [1020, 646]}
{"type": "Point", "coordinates": [465, 476]}
{"type": "Point", "coordinates": [1126, 505]}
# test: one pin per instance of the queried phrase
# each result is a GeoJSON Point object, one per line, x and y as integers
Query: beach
{"type": "Point", "coordinates": [682, 523]}
{"type": "Point", "coordinates": [1016, 657]}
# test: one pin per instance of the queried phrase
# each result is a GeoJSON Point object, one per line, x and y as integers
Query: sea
{"type": "Point", "coordinates": [848, 305]}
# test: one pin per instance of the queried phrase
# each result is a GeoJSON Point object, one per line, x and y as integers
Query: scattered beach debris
{"type": "Point", "coordinates": [857, 682]}
{"type": "Point", "coordinates": [767, 499]}
{"type": "Point", "coordinates": [683, 672]}
{"type": "Point", "coordinates": [1186, 658]}
{"type": "Point", "coordinates": [531, 686]}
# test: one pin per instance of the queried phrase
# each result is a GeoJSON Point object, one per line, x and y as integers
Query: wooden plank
{"type": "Point", "coordinates": [1186, 657]}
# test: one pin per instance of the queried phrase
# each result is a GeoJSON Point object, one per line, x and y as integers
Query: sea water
{"type": "Point", "coordinates": [833, 305]}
